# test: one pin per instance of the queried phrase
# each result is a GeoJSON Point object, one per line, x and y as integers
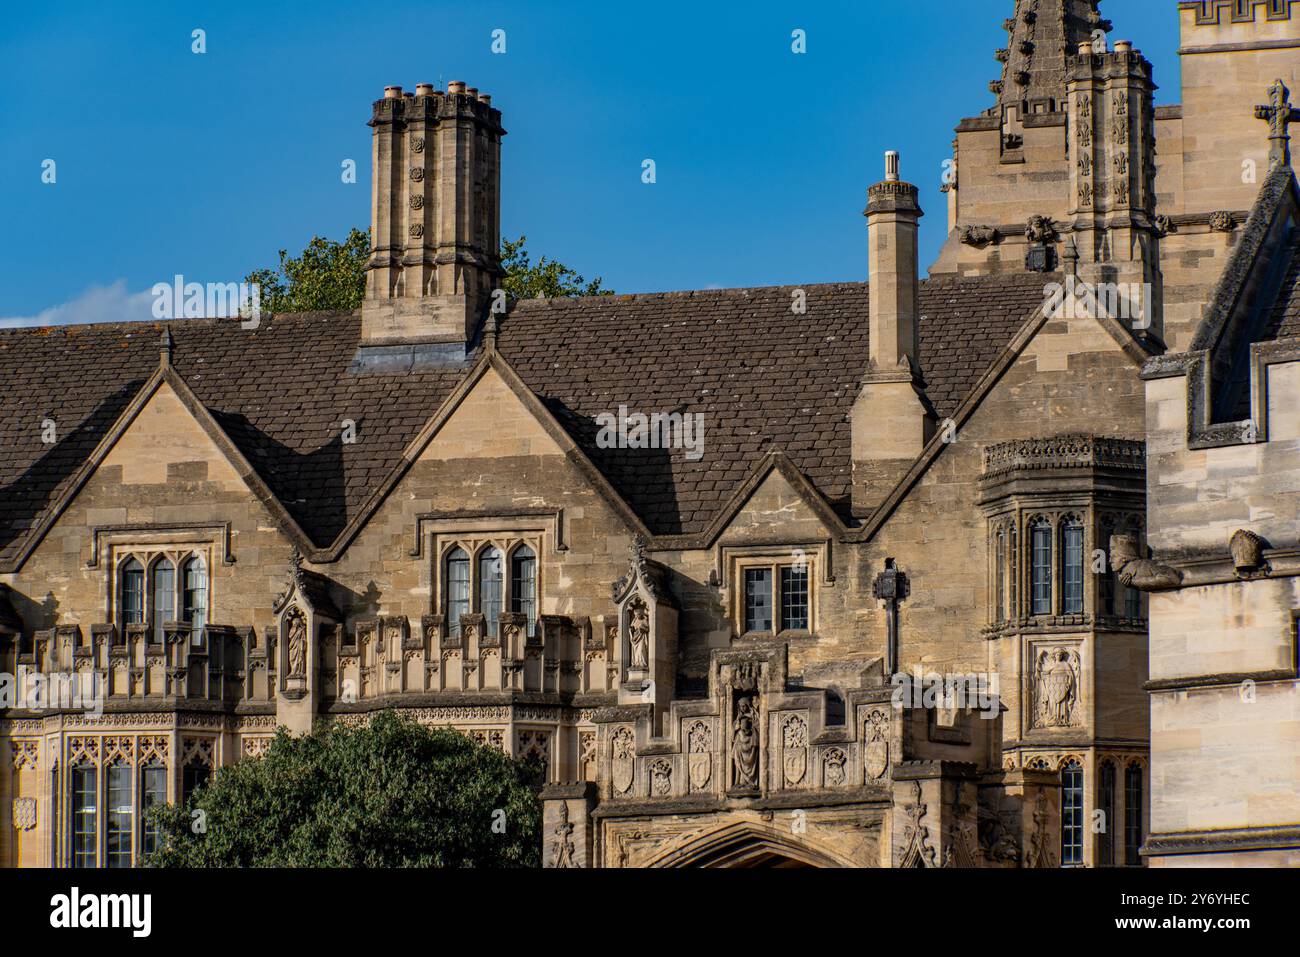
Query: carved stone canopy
{"type": "Point", "coordinates": [644, 575]}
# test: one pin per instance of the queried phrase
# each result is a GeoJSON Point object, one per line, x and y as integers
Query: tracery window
{"type": "Point", "coordinates": [1040, 563]}
{"type": "Point", "coordinates": [1106, 804]}
{"type": "Point", "coordinates": [153, 791]}
{"type": "Point", "coordinates": [118, 830]}
{"type": "Point", "coordinates": [1133, 815]}
{"type": "Point", "coordinates": [84, 810]}
{"type": "Point", "coordinates": [1072, 566]}
{"type": "Point", "coordinates": [1072, 814]}
{"type": "Point", "coordinates": [501, 576]}
{"type": "Point", "coordinates": [150, 591]}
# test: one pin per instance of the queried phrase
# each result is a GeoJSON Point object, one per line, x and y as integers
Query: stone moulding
{"type": "Point", "coordinates": [1065, 451]}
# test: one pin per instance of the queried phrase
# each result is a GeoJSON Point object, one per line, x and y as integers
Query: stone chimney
{"type": "Point", "coordinates": [435, 225]}
{"type": "Point", "coordinates": [890, 422]}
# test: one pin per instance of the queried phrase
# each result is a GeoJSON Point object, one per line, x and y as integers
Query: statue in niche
{"type": "Point", "coordinates": [744, 744]}
{"type": "Point", "coordinates": [638, 628]}
{"type": "Point", "coordinates": [297, 639]}
{"type": "Point", "coordinates": [1137, 572]}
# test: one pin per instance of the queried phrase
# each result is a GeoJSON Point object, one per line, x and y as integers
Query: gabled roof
{"type": "Point", "coordinates": [764, 377]}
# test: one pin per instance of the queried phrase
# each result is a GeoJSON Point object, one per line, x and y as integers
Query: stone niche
{"type": "Point", "coordinates": [647, 634]}
{"type": "Point", "coordinates": [303, 610]}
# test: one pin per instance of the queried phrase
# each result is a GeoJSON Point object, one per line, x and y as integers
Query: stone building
{"type": "Point", "coordinates": [707, 555]}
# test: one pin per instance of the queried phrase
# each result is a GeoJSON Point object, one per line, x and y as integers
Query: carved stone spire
{"type": "Point", "coordinates": [1041, 34]}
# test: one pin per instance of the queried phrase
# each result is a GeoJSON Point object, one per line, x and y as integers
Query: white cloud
{"type": "Point", "coordinates": [111, 303]}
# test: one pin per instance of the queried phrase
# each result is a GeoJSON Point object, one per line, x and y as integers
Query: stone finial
{"type": "Point", "coordinates": [1280, 114]}
{"type": "Point", "coordinates": [166, 346]}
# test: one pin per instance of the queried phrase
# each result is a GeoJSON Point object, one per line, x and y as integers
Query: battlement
{"type": "Point", "coordinates": [1216, 12]}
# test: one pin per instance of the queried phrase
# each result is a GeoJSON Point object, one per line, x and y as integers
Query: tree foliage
{"type": "Point", "coordinates": [328, 275]}
{"type": "Point", "coordinates": [547, 279]}
{"type": "Point", "coordinates": [392, 793]}
{"type": "Point", "coordinates": [332, 275]}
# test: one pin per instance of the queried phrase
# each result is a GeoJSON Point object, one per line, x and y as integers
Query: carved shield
{"type": "Point", "coordinates": [796, 763]}
{"type": "Point", "coordinates": [877, 759]}
{"type": "Point", "coordinates": [700, 767]}
{"type": "Point", "coordinates": [621, 765]}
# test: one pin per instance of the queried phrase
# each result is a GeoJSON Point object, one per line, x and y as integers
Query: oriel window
{"type": "Point", "coordinates": [164, 596]}
{"type": "Point", "coordinates": [1072, 815]}
{"type": "Point", "coordinates": [118, 830]}
{"type": "Point", "coordinates": [194, 595]}
{"type": "Point", "coordinates": [132, 593]}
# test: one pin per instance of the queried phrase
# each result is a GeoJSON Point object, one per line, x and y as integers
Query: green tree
{"type": "Point", "coordinates": [332, 275]}
{"type": "Point", "coordinates": [548, 279]}
{"type": "Point", "coordinates": [328, 275]}
{"type": "Point", "coordinates": [391, 793]}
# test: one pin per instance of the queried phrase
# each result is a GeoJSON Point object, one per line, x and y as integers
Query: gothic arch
{"type": "Point", "coordinates": [748, 844]}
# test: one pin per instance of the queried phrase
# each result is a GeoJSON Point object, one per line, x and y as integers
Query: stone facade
{"type": "Point", "coordinates": [889, 613]}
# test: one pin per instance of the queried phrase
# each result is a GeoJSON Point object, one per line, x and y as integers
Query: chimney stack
{"type": "Point", "coordinates": [890, 421]}
{"type": "Point", "coordinates": [435, 226]}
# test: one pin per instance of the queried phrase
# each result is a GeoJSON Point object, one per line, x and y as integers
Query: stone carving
{"type": "Point", "coordinates": [25, 754]}
{"type": "Point", "coordinates": [1085, 195]}
{"type": "Point", "coordinates": [24, 813]}
{"type": "Point", "coordinates": [661, 777]}
{"type": "Point", "coordinates": [834, 762]}
{"type": "Point", "coordinates": [417, 144]}
{"type": "Point", "coordinates": [1040, 853]}
{"type": "Point", "coordinates": [417, 174]}
{"type": "Point", "coordinates": [699, 763]}
{"type": "Point", "coordinates": [587, 754]}
{"type": "Point", "coordinates": [876, 748]}
{"type": "Point", "coordinates": [1223, 222]}
{"type": "Point", "coordinates": [979, 236]}
{"type": "Point", "coordinates": [1056, 688]}
{"type": "Point", "coordinates": [1138, 572]}
{"type": "Point", "coordinates": [917, 851]}
{"type": "Point", "coordinates": [1280, 114]}
{"type": "Point", "coordinates": [295, 627]}
{"type": "Point", "coordinates": [417, 201]}
{"type": "Point", "coordinates": [622, 762]}
{"type": "Point", "coordinates": [564, 849]}
{"type": "Point", "coordinates": [1247, 551]}
{"type": "Point", "coordinates": [638, 628]}
{"type": "Point", "coordinates": [1040, 229]}
{"type": "Point", "coordinates": [744, 744]}
{"type": "Point", "coordinates": [794, 740]}
{"type": "Point", "coordinates": [1166, 225]}
{"type": "Point", "coordinates": [416, 230]}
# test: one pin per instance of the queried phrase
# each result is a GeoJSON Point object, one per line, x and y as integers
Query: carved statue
{"type": "Point", "coordinates": [638, 628]}
{"type": "Point", "coordinates": [1056, 688]}
{"type": "Point", "coordinates": [297, 639]}
{"type": "Point", "coordinates": [564, 848]}
{"type": "Point", "coordinates": [1137, 572]}
{"type": "Point", "coordinates": [744, 744]}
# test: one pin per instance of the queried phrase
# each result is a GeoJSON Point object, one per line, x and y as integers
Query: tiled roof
{"type": "Point", "coordinates": [762, 375]}
{"type": "Point", "coordinates": [1284, 322]}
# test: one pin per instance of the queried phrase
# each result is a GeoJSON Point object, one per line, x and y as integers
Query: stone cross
{"type": "Point", "coordinates": [1280, 114]}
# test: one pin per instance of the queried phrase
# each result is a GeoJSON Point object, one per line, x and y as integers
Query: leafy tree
{"type": "Point", "coordinates": [328, 275]}
{"type": "Point", "coordinates": [332, 275]}
{"type": "Point", "coordinates": [392, 793]}
{"type": "Point", "coordinates": [547, 279]}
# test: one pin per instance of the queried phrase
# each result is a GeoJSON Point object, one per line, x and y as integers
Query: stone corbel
{"type": "Point", "coordinates": [1138, 572]}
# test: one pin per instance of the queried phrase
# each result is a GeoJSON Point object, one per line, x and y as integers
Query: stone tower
{"type": "Point", "coordinates": [435, 225]}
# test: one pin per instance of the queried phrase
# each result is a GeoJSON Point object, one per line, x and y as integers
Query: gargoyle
{"type": "Point", "coordinates": [1137, 572]}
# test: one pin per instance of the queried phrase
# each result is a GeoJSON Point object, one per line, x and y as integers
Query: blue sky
{"type": "Point", "coordinates": [205, 165]}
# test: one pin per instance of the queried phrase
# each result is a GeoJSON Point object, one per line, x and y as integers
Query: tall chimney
{"type": "Point", "coordinates": [890, 423]}
{"type": "Point", "coordinates": [435, 226]}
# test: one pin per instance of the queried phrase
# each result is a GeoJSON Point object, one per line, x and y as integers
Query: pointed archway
{"type": "Point", "coordinates": [748, 845]}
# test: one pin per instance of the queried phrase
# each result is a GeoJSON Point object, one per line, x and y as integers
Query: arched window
{"type": "Point", "coordinates": [1013, 557]}
{"type": "Point", "coordinates": [1106, 581]}
{"type": "Point", "coordinates": [1133, 815]}
{"type": "Point", "coordinates": [523, 585]}
{"type": "Point", "coordinates": [1106, 803]}
{"type": "Point", "coordinates": [456, 588]}
{"type": "Point", "coordinates": [1040, 559]}
{"type": "Point", "coordinates": [999, 576]}
{"type": "Point", "coordinates": [132, 593]}
{"type": "Point", "coordinates": [1072, 814]}
{"type": "Point", "coordinates": [489, 588]}
{"type": "Point", "coordinates": [162, 594]}
{"type": "Point", "coordinates": [1072, 567]}
{"type": "Point", "coordinates": [194, 593]}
